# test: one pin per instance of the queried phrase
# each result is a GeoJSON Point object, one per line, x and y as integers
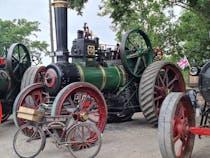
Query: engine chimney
{"type": "Point", "coordinates": [60, 10]}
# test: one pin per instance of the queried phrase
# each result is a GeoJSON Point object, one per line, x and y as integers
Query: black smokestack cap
{"type": "Point", "coordinates": [60, 10]}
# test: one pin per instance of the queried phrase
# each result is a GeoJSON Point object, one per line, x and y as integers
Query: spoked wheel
{"type": "Point", "coordinates": [84, 99]}
{"type": "Point", "coordinates": [136, 52]}
{"type": "Point", "coordinates": [175, 120]}
{"type": "Point", "coordinates": [84, 140]}
{"type": "Point", "coordinates": [32, 97]}
{"type": "Point", "coordinates": [18, 60]}
{"type": "Point", "coordinates": [31, 144]}
{"type": "Point", "coordinates": [32, 75]}
{"type": "Point", "coordinates": [158, 80]}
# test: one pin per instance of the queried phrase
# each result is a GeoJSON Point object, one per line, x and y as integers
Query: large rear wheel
{"type": "Point", "coordinates": [175, 120]}
{"type": "Point", "coordinates": [158, 80]}
{"type": "Point", "coordinates": [32, 97]}
{"type": "Point", "coordinates": [34, 74]}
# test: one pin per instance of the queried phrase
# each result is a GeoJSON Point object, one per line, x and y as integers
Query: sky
{"type": "Point", "coordinates": [38, 10]}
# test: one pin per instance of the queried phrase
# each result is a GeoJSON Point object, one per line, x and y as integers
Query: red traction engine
{"type": "Point", "coordinates": [177, 125]}
{"type": "Point", "coordinates": [113, 83]}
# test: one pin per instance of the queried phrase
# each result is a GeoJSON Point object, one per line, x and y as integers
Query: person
{"type": "Point", "coordinates": [87, 32]}
{"type": "Point", "coordinates": [158, 54]}
{"type": "Point", "coordinates": [117, 52]}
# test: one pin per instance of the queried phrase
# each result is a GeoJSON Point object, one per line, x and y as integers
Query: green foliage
{"type": "Point", "coordinates": [22, 31]}
{"type": "Point", "coordinates": [77, 5]}
{"type": "Point", "coordinates": [145, 15]}
{"type": "Point", "coordinates": [192, 31]}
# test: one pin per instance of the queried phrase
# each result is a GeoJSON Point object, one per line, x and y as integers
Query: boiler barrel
{"type": "Point", "coordinates": [105, 78]}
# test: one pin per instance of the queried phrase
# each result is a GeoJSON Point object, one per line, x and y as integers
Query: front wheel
{"type": "Point", "coordinates": [84, 140]}
{"type": "Point", "coordinates": [84, 99]}
{"type": "Point", "coordinates": [29, 144]}
{"type": "Point", "coordinates": [175, 120]}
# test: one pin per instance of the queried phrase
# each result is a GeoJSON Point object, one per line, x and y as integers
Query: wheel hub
{"type": "Point", "coordinates": [182, 127]}
{"type": "Point", "coordinates": [83, 116]}
{"type": "Point", "coordinates": [50, 78]}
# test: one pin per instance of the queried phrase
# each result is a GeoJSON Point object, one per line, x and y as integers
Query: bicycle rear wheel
{"type": "Point", "coordinates": [29, 141]}
{"type": "Point", "coordinates": [84, 140]}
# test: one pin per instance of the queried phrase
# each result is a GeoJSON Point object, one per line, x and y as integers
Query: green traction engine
{"type": "Point", "coordinates": [104, 84]}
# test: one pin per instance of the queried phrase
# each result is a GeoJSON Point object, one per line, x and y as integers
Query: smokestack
{"type": "Point", "coordinates": [60, 10]}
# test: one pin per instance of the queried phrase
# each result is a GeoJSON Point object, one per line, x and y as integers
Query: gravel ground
{"type": "Point", "coordinates": [133, 139]}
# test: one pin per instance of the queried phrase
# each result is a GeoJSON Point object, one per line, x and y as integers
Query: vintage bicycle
{"type": "Point", "coordinates": [82, 138]}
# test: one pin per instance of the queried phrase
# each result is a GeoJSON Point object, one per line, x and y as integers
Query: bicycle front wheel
{"type": "Point", "coordinates": [84, 140]}
{"type": "Point", "coordinates": [29, 141]}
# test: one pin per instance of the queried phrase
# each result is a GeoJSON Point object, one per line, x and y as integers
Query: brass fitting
{"type": "Point", "coordinates": [58, 3]}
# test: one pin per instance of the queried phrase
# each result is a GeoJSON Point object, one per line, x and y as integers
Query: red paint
{"type": "Point", "coordinates": [50, 78]}
{"type": "Point", "coordinates": [0, 111]}
{"type": "Point", "coordinates": [200, 131]}
{"type": "Point", "coordinates": [2, 61]}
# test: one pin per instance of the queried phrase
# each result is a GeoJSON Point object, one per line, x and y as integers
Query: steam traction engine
{"type": "Point", "coordinates": [177, 126]}
{"type": "Point", "coordinates": [95, 74]}
{"type": "Point", "coordinates": [13, 64]}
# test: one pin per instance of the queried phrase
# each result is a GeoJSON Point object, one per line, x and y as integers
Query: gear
{"type": "Point", "coordinates": [121, 107]}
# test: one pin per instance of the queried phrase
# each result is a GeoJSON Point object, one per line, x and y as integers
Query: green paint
{"type": "Point", "coordinates": [105, 78]}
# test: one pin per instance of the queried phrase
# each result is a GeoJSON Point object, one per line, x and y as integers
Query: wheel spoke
{"type": "Point", "coordinates": [71, 101]}
{"type": "Point", "coordinates": [133, 55]}
{"type": "Point", "coordinates": [172, 81]}
{"type": "Point", "coordinates": [16, 68]}
{"type": "Point", "coordinates": [176, 138]}
{"type": "Point", "coordinates": [161, 80]}
{"type": "Point", "coordinates": [165, 78]}
{"type": "Point", "coordinates": [90, 119]}
{"type": "Point", "coordinates": [15, 59]}
{"type": "Point", "coordinates": [94, 112]}
{"type": "Point", "coordinates": [19, 52]}
{"type": "Point", "coordinates": [158, 98]}
{"type": "Point", "coordinates": [130, 42]}
{"type": "Point", "coordinates": [137, 65]}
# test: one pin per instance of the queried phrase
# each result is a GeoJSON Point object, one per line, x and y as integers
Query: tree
{"type": "Point", "coordinates": [77, 5]}
{"type": "Point", "coordinates": [192, 31]}
{"type": "Point", "coordinates": [22, 31]}
{"type": "Point", "coordinates": [147, 15]}
{"type": "Point", "coordinates": [156, 18]}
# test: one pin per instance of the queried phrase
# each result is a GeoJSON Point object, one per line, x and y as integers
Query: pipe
{"type": "Point", "coordinates": [60, 10]}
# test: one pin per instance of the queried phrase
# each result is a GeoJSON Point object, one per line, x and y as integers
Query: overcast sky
{"type": "Point", "coordinates": [37, 10]}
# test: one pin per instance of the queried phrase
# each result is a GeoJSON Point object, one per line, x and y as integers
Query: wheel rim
{"type": "Point", "coordinates": [39, 76]}
{"type": "Point", "coordinates": [34, 74]}
{"type": "Point", "coordinates": [83, 144]}
{"type": "Point", "coordinates": [18, 60]}
{"type": "Point", "coordinates": [182, 138]}
{"type": "Point", "coordinates": [175, 120]}
{"type": "Point", "coordinates": [92, 106]}
{"type": "Point", "coordinates": [168, 80]}
{"type": "Point", "coordinates": [31, 97]}
{"type": "Point", "coordinates": [136, 52]}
